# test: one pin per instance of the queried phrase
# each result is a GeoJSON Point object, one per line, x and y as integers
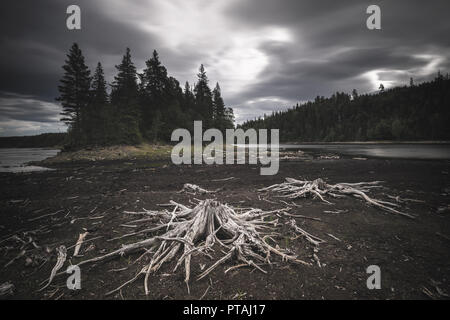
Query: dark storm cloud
{"type": "Point", "coordinates": [31, 109]}
{"type": "Point", "coordinates": [25, 114]}
{"type": "Point", "coordinates": [35, 40]}
{"type": "Point", "coordinates": [305, 77]}
{"type": "Point", "coordinates": [334, 51]}
{"type": "Point", "coordinates": [266, 54]}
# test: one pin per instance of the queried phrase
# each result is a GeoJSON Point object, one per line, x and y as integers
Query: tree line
{"type": "Point", "coordinates": [414, 112]}
{"type": "Point", "coordinates": [138, 106]}
{"type": "Point", "coordinates": [43, 140]}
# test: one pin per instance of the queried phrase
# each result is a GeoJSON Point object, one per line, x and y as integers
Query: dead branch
{"type": "Point", "coordinates": [21, 254]}
{"type": "Point", "coordinates": [224, 179]}
{"type": "Point", "coordinates": [45, 215]}
{"type": "Point", "coordinates": [79, 243]}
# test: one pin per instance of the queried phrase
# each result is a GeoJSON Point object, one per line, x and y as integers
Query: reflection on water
{"type": "Point", "coordinates": [404, 151]}
{"type": "Point", "coordinates": [15, 159]}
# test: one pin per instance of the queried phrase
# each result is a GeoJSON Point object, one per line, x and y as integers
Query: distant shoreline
{"type": "Point", "coordinates": [281, 143]}
{"type": "Point", "coordinates": [367, 142]}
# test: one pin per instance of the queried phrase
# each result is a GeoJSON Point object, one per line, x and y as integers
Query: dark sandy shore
{"type": "Point", "coordinates": [414, 255]}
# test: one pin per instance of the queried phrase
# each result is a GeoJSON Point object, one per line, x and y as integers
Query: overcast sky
{"type": "Point", "coordinates": [266, 54]}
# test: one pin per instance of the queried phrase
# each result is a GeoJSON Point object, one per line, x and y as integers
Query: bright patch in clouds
{"type": "Point", "coordinates": [377, 77]}
{"type": "Point", "coordinates": [433, 63]}
{"type": "Point", "coordinates": [255, 108]}
{"type": "Point", "coordinates": [391, 78]}
{"type": "Point", "coordinates": [240, 63]}
{"type": "Point", "coordinates": [233, 57]}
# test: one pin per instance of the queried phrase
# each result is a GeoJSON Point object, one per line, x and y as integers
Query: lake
{"type": "Point", "coordinates": [402, 151]}
{"type": "Point", "coordinates": [16, 159]}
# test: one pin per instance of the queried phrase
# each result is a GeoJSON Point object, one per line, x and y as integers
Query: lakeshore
{"type": "Point", "coordinates": [87, 195]}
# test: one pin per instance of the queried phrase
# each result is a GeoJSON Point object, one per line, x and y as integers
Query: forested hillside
{"type": "Point", "coordinates": [414, 112]}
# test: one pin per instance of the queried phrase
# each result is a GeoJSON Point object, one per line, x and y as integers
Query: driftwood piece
{"type": "Point", "coordinates": [193, 188]}
{"type": "Point", "coordinates": [79, 243]}
{"type": "Point", "coordinates": [20, 255]}
{"type": "Point", "coordinates": [62, 255]}
{"type": "Point", "coordinates": [6, 289]}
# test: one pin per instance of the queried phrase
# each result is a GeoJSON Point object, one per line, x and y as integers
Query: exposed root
{"type": "Point", "coordinates": [195, 231]}
{"type": "Point", "coordinates": [193, 189]}
{"type": "Point", "coordinates": [294, 189]}
{"type": "Point", "coordinates": [62, 255]}
{"type": "Point", "coordinates": [315, 241]}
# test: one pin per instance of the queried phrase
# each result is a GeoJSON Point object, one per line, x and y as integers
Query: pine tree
{"type": "Point", "coordinates": [154, 92]}
{"type": "Point", "coordinates": [203, 99]}
{"type": "Point", "coordinates": [154, 78]}
{"type": "Point", "coordinates": [99, 94]}
{"type": "Point", "coordinates": [188, 97]}
{"type": "Point", "coordinates": [124, 87]}
{"type": "Point", "coordinates": [219, 109]}
{"type": "Point", "coordinates": [229, 118]}
{"type": "Point", "coordinates": [74, 94]}
{"type": "Point", "coordinates": [124, 98]}
{"type": "Point", "coordinates": [189, 107]}
{"type": "Point", "coordinates": [99, 111]}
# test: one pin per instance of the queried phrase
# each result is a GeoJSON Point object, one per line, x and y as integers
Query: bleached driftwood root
{"type": "Point", "coordinates": [187, 231]}
{"type": "Point", "coordinates": [314, 240]}
{"type": "Point", "coordinates": [193, 188]}
{"type": "Point", "coordinates": [62, 255]}
{"type": "Point", "coordinates": [294, 189]}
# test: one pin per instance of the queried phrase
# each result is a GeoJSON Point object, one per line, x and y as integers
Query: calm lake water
{"type": "Point", "coordinates": [403, 151]}
{"type": "Point", "coordinates": [14, 160]}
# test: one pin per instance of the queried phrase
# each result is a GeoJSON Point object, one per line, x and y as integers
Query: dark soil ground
{"type": "Point", "coordinates": [414, 255]}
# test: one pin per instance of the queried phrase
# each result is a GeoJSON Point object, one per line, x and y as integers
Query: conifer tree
{"type": "Point", "coordinates": [124, 98]}
{"type": "Point", "coordinates": [99, 111]}
{"type": "Point", "coordinates": [219, 109]}
{"type": "Point", "coordinates": [99, 94]}
{"type": "Point", "coordinates": [188, 97]}
{"type": "Point", "coordinates": [124, 87]}
{"type": "Point", "coordinates": [74, 94]}
{"type": "Point", "coordinates": [229, 118]}
{"type": "Point", "coordinates": [154, 89]}
{"type": "Point", "coordinates": [203, 98]}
